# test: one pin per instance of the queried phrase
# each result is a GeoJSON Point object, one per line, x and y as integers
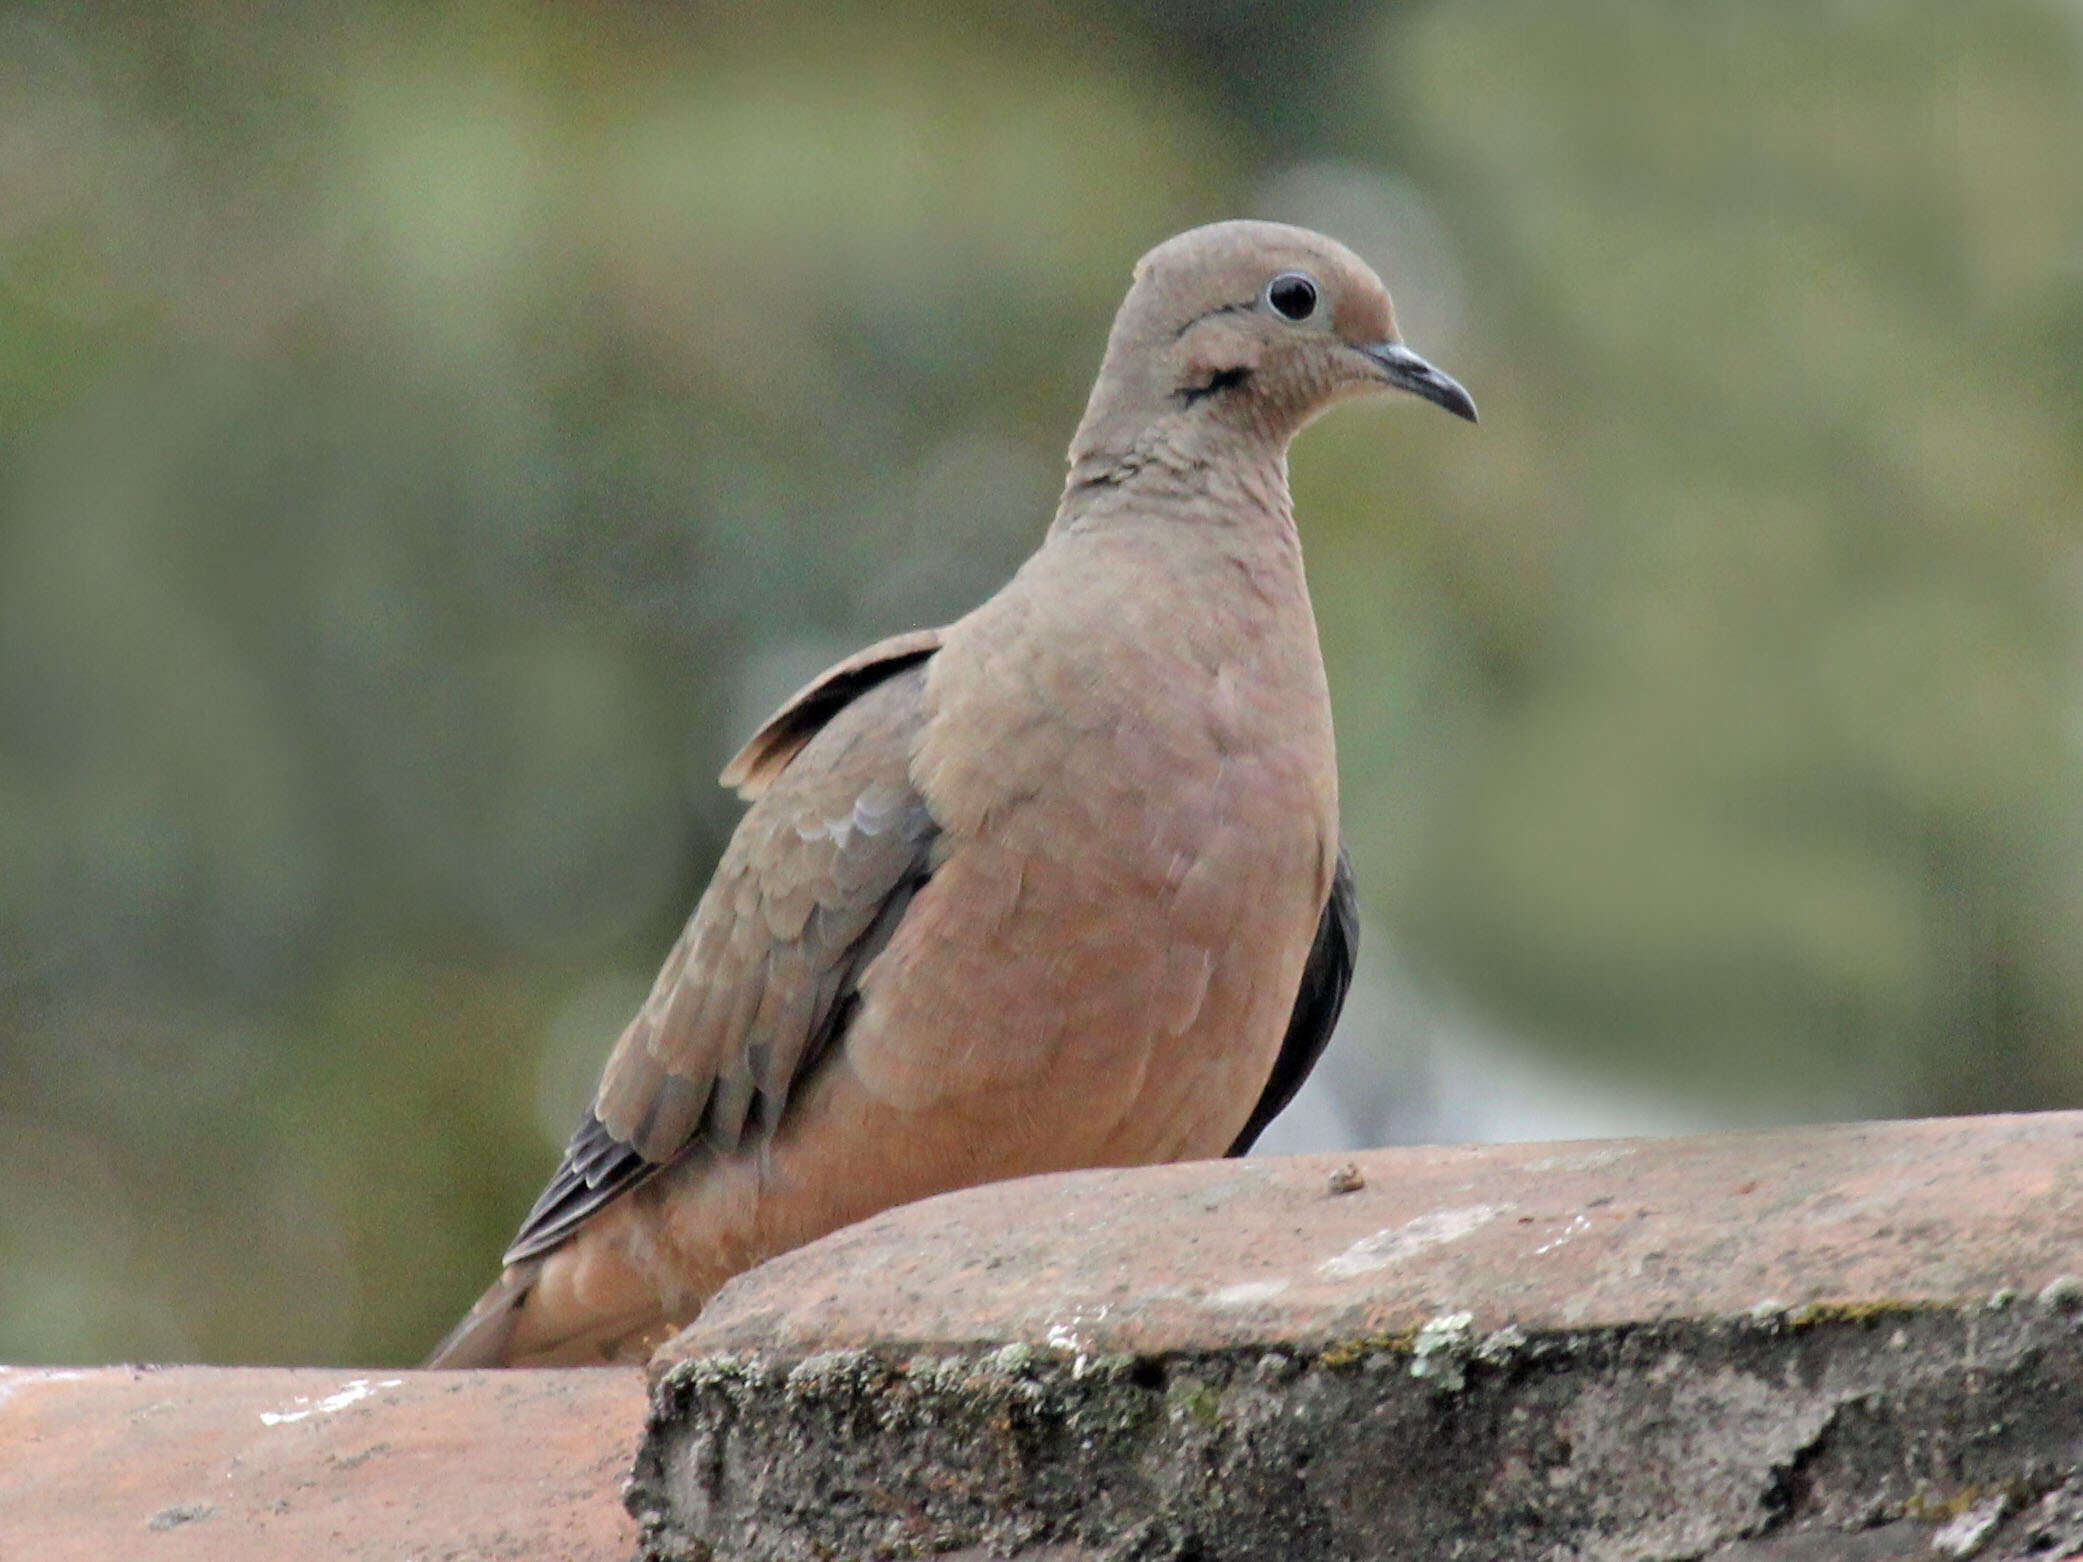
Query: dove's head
{"type": "Point", "coordinates": [1250, 326]}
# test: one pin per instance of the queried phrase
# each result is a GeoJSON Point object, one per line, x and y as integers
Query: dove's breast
{"type": "Point", "coordinates": [1140, 823]}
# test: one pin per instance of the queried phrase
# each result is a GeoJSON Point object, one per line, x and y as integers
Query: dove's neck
{"type": "Point", "coordinates": [1216, 471]}
{"type": "Point", "coordinates": [1191, 543]}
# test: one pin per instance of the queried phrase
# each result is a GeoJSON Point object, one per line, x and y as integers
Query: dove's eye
{"type": "Point", "coordinates": [1292, 296]}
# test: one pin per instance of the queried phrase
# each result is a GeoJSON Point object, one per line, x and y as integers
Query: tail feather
{"type": "Point", "coordinates": [485, 1336]}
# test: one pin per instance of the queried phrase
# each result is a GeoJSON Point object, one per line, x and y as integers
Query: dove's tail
{"type": "Point", "coordinates": [485, 1336]}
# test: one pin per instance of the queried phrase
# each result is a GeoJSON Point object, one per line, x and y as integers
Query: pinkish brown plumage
{"type": "Point", "coordinates": [1051, 887]}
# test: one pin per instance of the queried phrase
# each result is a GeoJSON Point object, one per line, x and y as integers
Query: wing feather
{"type": "Point", "coordinates": [1325, 981]}
{"type": "Point", "coordinates": [757, 988]}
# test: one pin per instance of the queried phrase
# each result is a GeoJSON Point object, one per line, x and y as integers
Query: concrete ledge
{"type": "Point", "coordinates": [222, 1465]}
{"type": "Point", "coordinates": [1851, 1342]}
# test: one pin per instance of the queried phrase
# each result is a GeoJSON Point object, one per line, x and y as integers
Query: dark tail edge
{"type": "Point", "coordinates": [483, 1337]}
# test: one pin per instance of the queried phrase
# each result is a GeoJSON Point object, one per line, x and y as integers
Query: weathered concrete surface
{"type": "Point", "coordinates": [224, 1465]}
{"type": "Point", "coordinates": [1856, 1342]}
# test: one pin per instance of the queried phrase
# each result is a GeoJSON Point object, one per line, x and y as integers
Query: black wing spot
{"type": "Point", "coordinates": [795, 726]}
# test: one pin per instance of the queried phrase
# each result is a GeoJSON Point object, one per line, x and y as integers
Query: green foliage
{"type": "Point", "coordinates": [1767, 770]}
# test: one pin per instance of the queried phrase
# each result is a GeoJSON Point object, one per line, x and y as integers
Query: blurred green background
{"type": "Point", "coordinates": [429, 443]}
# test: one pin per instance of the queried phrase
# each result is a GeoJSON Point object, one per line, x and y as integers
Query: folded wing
{"type": "Point", "coordinates": [761, 982]}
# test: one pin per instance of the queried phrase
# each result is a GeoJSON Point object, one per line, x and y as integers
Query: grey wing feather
{"type": "Point", "coordinates": [1325, 980]}
{"type": "Point", "coordinates": [760, 985]}
{"type": "Point", "coordinates": [806, 711]}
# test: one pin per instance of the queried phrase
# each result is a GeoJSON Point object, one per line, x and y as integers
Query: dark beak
{"type": "Point", "coordinates": [1405, 370]}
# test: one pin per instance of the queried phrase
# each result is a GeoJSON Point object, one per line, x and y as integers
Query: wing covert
{"type": "Point", "coordinates": [817, 875]}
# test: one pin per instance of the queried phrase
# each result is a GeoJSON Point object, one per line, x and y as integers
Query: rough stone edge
{"type": "Point", "coordinates": [1954, 1427]}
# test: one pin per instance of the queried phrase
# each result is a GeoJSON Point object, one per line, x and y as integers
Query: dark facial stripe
{"type": "Point", "coordinates": [1220, 309]}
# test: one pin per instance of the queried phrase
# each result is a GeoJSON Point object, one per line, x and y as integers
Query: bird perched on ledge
{"type": "Point", "coordinates": [1058, 885]}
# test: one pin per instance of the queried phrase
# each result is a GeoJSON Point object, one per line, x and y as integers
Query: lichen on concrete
{"type": "Point", "coordinates": [1746, 1436]}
